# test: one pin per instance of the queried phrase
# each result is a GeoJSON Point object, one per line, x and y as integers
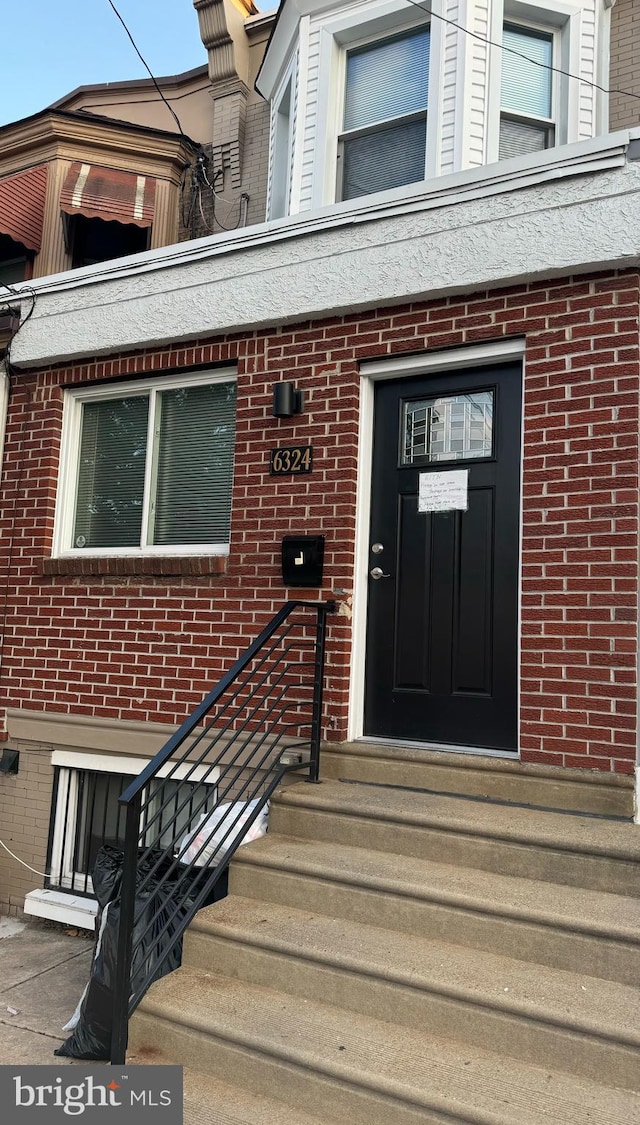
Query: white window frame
{"type": "Point", "coordinates": [347, 134]}
{"type": "Point", "coordinates": [65, 814]}
{"type": "Point", "coordinates": [341, 35]}
{"type": "Point", "coordinates": [74, 400]}
{"type": "Point", "coordinates": [281, 156]}
{"type": "Point", "coordinates": [554, 34]}
{"type": "Point", "coordinates": [564, 22]}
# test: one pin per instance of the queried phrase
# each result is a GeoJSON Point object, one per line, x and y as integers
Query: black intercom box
{"type": "Point", "coordinates": [302, 559]}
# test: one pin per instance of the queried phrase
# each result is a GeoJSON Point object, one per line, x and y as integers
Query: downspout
{"type": "Point", "coordinates": [9, 323]}
{"type": "Point", "coordinates": [4, 402]}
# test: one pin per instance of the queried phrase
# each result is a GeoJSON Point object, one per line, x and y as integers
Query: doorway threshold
{"type": "Point", "coordinates": [444, 747]}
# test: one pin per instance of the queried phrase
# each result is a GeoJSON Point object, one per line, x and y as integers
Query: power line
{"type": "Point", "coordinates": [146, 66]}
{"type": "Point", "coordinates": [520, 54]}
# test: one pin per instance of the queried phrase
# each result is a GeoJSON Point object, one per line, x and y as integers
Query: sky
{"type": "Point", "coordinates": [52, 46]}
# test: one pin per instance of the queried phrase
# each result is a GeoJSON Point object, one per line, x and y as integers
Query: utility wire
{"type": "Point", "coordinates": [45, 874]}
{"type": "Point", "coordinates": [520, 54]}
{"type": "Point", "coordinates": [42, 287]}
{"type": "Point", "coordinates": [146, 66]}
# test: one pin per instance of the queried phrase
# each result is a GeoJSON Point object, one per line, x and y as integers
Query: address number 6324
{"type": "Point", "coordinates": [291, 459]}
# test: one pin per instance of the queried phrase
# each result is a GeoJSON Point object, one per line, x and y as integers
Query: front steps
{"type": "Point", "coordinates": [480, 775]}
{"type": "Point", "coordinates": [389, 956]}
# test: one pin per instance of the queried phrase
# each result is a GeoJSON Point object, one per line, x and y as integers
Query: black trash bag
{"type": "Point", "coordinates": [91, 1037]}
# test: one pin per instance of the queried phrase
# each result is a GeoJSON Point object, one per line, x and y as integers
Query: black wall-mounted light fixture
{"type": "Point", "coordinates": [9, 761]}
{"type": "Point", "coordinates": [287, 401]}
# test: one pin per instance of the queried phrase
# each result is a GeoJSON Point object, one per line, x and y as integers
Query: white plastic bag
{"type": "Point", "coordinates": [216, 831]}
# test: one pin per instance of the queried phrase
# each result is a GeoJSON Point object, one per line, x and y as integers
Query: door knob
{"type": "Point", "coordinates": [377, 573]}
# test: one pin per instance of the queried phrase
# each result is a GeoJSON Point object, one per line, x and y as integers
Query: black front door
{"type": "Point", "coordinates": [442, 635]}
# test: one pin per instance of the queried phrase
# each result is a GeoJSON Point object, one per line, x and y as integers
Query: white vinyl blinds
{"type": "Point", "coordinates": [384, 126]}
{"type": "Point", "coordinates": [156, 469]}
{"type": "Point", "coordinates": [526, 123]}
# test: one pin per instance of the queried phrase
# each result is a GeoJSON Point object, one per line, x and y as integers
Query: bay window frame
{"type": "Point", "coordinates": [348, 32]}
{"type": "Point", "coordinates": [74, 401]}
{"type": "Point", "coordinates": [386, 123]}
{"type": "Point", "coordinates": [550, 124]}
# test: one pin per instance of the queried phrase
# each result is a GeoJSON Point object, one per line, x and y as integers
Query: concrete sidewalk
{"type": "Point", "coordinates": [43, 971]}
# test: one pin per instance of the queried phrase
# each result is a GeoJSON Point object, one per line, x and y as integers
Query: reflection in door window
{"type": "Point", "coordinates": [450, 428]}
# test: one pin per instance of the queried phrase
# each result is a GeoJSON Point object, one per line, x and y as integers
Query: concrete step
{"type": "Point", "coordinates": [208, 1101]}
{"type": "Point", "coordinates": [565, 848]}
{"type": "Point", "coordinates": [475, 774]}
{"type": "Point", "coordinates": [343, 1066]}
{"type": "Point", "coordinates": [528, 919]}
{"type": "Point", "coordinates": [571, 1021]}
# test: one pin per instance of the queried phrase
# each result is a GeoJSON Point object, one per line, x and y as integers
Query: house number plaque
{"type": "Point", "coordinates": [291, 460]}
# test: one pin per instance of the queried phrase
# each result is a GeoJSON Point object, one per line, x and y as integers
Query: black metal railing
{"type": "Point", "coordinates": [223, 764]}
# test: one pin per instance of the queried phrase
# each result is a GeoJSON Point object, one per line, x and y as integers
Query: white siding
{"type": "Point", "coordinates": [588, 70]}
{"type": "Point", "coordinates": [309, 130]}
{"type": "Point", "coordinates": [464, 103]}
{"type": "Point", "coordinates": [450, 68]}
{"type": "Point", "coordinates": [476, 93]}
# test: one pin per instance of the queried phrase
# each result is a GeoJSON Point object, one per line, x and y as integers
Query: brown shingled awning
{"type": "Point", "coordinates": [22, 206]}
{"type": "Point", "coordinates": [108, 193]}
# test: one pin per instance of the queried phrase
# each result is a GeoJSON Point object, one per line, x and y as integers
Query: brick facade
{"type": "Point", "coordinates": [120, 644]}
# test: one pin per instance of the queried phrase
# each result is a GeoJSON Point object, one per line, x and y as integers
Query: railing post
{"type": "Point", "coordinates": [318, 676]}
{"type": "Point", "coordinates": [122, 981]}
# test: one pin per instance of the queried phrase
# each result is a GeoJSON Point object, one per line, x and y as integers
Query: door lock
{"type": "Point", "coordinates": [377, 573]}
{"type": "Point", "coordinates": [377, 548]}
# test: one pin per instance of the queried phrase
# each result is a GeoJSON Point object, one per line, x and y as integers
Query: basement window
{"type": "Point", "coordinates": [86, 814]}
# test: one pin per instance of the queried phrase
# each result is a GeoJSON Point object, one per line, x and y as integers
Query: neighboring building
{"type": "Point", "coordinates": [624, 77]}
{"type": "Point", "coordinates": [112, 169]}
{"type": "Point", "coordinates": [429, 239]}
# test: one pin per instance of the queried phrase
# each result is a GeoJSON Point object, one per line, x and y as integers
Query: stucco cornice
{"type": "Point", "coordinates": [578, 212]}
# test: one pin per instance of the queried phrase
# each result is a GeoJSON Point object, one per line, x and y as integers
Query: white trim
{"type": "Point", "coordinates": [476, 355]}
{"type": "Point", "coordinates": [76, 198]}
{"type": "Point", "coordinates": [281, 147]}
{"type": "Point", "coordinates": [636, 799]}
{"type": "Point", "coordinates": [139, 199]}
{"type": "Point", "coordinates": [355, 721]}
{"type": "Point", "coordinates": [60, 906]}
{"type": "Point", "coordinates": [372, 372]}
{"type": "Point", "coordinates": [74, 399]}
{"type": "Point", "coordinates": [125, 763]}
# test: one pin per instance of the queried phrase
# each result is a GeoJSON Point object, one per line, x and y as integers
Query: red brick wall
{"type": "Point", "coordinates": [131, 646]}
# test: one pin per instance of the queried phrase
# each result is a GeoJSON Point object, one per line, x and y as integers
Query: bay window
{"type": "Point", "coordinates": [527, 109]}
{"type": "Point", "coordinates": [383, 140]}
{"type": "Point", "coordinates": [148, 467]}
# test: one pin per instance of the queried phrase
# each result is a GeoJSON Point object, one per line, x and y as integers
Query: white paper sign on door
{"type": "Point", "coordinates": [444, 492]}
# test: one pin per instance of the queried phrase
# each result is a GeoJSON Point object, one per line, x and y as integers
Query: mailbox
{"type": "Point", "coordinates": [302, 558]}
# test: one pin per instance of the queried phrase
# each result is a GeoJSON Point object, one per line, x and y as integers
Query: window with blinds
{"type": "Point", "coordinates": [383, 142]}
{"type": "Point", "coordinates": [155, 468]}
{"type": "Point", "coordinates": [526, 117]}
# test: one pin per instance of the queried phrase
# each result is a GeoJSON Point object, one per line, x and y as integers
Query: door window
{"type": "Point", "coordinates": [447, 428]}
